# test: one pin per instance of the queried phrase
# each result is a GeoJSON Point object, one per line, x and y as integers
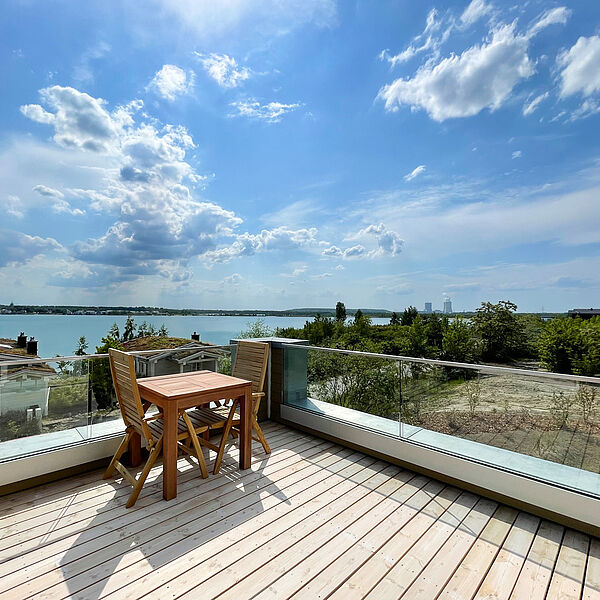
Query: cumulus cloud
{"type": "Point", "coordinates": [414, 173]}
{"type": "Point", "coordinates": [17, 248]}
{"type": "Point", "coordinates": [59, 205]}
{"type": "Point", "coordinates": [388, 244]}
{"type": "Point", "coordinates": [461, 86]}
{"type": "Point", "coordinates": [517, 154]}
{"type": "Point", "coordinates": [580, 67]}
{"type": "Point", "coordinates": [481, 77]}
{"type": "Point", "coordinates": [280, 238]}
{"type": "Point", "coordinates": [79, 120]}
{"type": "Point", "coordinates": [531, 107]}
{"type": "Point", "coordinates": [272, 112]}
{"type": "Point", "coordinates": [224, 69]}
{"type": "Point", "coordinates": [171, 81]}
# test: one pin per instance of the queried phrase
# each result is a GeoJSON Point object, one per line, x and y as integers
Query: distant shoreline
{"type": "Point", "coordinates": [146, 311]}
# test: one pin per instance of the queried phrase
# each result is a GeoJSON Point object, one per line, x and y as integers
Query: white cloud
{"type": "Point", "coordinates": [532, 106]}
{"type": "Point", "coordinates": [19, 248]}
{"type": "Point", "coordinates": [517, 154]}
{"type": "Point", "coordinates": [79, 121]}
{"type": "Point", "coordinates": [83, 71]}
{"type": "Point", "coordinates": [224, 69]}
{"type": "Point", "coordinates": [414, 173]}
{"type": "Point", "coordinates": [278, 239]}
{"type": "Point", "coordinates": [44, 190]}
{"type": "Point", "coordinates": [207, 19]}
{"type": "Point", "coordinates": [554, 16]}
{"type": "Point", "coordinates": [475, 11]}
{"type": "Point", "coordinates": [272, 112]}
{"type": "Point", "coordinates": [421, 43]}
{"type": "Point", "coordinates": [395, 289]}
{"type": "Point", "coordinates": [171, 81]}
{"type": "Point", "coordinates": [388, 244]}
{"type": "Point", "coordinates": [461, 86]}
{"type": "Point", "coordinates": [580, 68]}
{"type": "Point", "coordinates": [14, 206]}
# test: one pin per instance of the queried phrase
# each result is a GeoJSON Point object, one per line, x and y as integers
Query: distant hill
{"type": "Point", "coordinates": [331, 311]}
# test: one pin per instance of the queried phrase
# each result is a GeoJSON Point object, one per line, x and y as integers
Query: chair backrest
{"type": "Point", "coordinates": [251, 360]}
{"type": "Point", "coordinates": [123, 374]}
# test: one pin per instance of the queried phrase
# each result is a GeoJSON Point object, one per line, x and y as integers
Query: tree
{"type": "Point", "coordinates": [395, 319]}
{"type": "Point", "coordinates": [101, 377]}
{"type": "Point", "coordinates": [501, 333]}
{"type": "Point", "coordinates": [129, 330]}
{"type": "Point", "coordinates": [340, 312]}
{"type": "Point", "coordinates": [257, 329]}
{"type": "Point", "coordinates": [163, 332]}
{"type": "Point", "coordinates": [409, 315]}
{"type": "Point", "coordinates": [457, 343]}
{"type": "Point", "coordinates": [571, 346]}
{"type": "Point", "coordinates": [358, 315]}
{"type": "Point", "coordinates": [114, 332]}
{"type": "Point", "coordinates": [82, 346]}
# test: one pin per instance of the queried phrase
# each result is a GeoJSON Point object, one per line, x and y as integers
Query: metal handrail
{"type": "Point", "coordinates": [75, 358]}
{"type": "Point", "coordinates": [458, 365]}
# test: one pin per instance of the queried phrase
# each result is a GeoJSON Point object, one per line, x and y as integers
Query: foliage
{"type": "Point", "coordinates": [585, 398]}
{"type": "Point", "coordinates": [409, 315]}
{"type": "Point", "coordinates": [340, 312]}
{"type": "Point", "coordinates": [362, 383]}
{"type": "Point", "coordinates": [129, 329]}
{"type": "Point", "coordinates": [501, 333]}
{"type": "Point", "coordinates": [560, 407]}
{"type": "Point", "coordinates": [571, 346]}
{"type": "Point", "coordinates": [395, 319]}
{"type": "Point", "coordinates": [100, 375]}
{"type": "Point", "coordinates": [256, 329]}
{"type": "Point", "coordinates": [68, 395]}
{"type": "Point", "coordinates": [458, 343]}
{"type": "Point", "coordinates": [14, 424]}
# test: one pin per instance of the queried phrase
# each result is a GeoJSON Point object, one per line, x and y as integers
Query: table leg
{"type": "Point", "coordinates": [170, 416]}
{"type": "Point", "coordinates": [135, 450]}
{"type": "Point", "coordinates": [246, 429]}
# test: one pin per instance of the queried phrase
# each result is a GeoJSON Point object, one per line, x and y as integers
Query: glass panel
{"type": "Point", "coordinates": [551, 418]}
{"type": "Point", "coordinates": [360, 389]}
{"type": "Point", "coordinates": [44, 405]}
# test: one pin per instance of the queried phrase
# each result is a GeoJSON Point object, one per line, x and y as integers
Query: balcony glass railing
{"type": "Point", "coordinates": [542, 425]}
{"type": "Point", "coordinates": [50, 403]}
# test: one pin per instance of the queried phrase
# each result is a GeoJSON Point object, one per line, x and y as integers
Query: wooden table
{"type": "Point", "coordinates": [172, 393]}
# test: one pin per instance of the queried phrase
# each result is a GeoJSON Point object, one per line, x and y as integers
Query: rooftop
{"type": "Point", "coordinates": [312, 520]}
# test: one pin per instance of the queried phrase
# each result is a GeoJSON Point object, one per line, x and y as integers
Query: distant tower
{"type": "Point", "coordinates": [447, 306]}
{"type": "Point", "coordinates": [428, 308]}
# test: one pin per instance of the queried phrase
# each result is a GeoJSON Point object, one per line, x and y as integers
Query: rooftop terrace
{"type": "Point", "coordinates": [312, 520]}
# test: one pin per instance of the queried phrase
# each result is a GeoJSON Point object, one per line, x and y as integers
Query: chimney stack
{"type": "Point", "coordinates": [32, 346]}
{"type": "Point", "coordinates": [196, 336]}
{"type": "Point", "coordinates": [22, 340]}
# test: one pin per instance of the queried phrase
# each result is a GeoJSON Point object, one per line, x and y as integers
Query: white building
{"type": "Point", "coordinates": [447, 306]}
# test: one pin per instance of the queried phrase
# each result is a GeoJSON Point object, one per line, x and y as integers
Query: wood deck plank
{"type": "Point", "coordinates": [311, 520]}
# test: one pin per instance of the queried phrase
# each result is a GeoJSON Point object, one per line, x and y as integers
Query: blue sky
{"type": "Point", "coordinates": [275, 154]}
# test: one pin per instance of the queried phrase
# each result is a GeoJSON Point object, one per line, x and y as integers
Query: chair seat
{"type": "Point", "coordinates": [213, 418]}
{"type": "Point", "coordinates": [157, 428]}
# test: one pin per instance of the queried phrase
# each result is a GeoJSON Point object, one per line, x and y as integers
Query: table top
{"type": "Point", "coordinates": [184, 384]}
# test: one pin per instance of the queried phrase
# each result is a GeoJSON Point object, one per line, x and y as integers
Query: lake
{"type": "Point", "coordinates": [59, 334]}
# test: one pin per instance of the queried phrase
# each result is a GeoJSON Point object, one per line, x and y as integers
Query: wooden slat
{"type": "Point", "coordinates": [501, 577]}
{"type": "Point", "coordinates": [591, 589]}
{"type": "Point", "coordinates": [535, 575]}
{"type": "Point", "coordinates": [466, 579]}
{"type": "Point", "coordinates": [567, 579]}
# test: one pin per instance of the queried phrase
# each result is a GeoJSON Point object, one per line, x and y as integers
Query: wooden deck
{"type": "Point", "coordinates": [313, 520]}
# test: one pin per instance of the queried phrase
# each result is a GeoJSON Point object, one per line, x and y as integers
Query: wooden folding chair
{"type": "Point", "coordinates": [149, 427]}
{"type": "Point", "coordinates": [251, 361]}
